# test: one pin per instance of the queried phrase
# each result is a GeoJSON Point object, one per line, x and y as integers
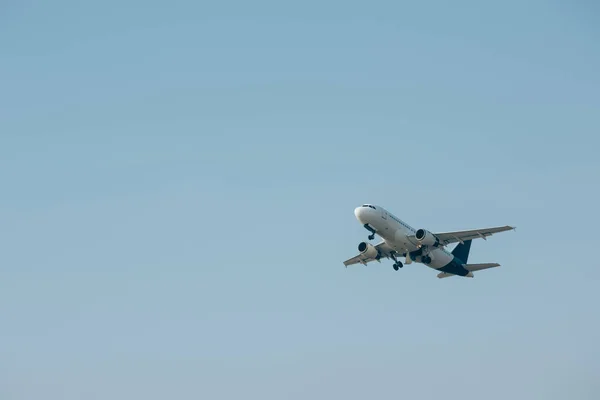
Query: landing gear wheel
{"type": "Point", "coordinates": [395, 267]}
{"type": "Point", "coordinates": [400, 264]}
{"type": "Point", "coordinates": [371, 237]}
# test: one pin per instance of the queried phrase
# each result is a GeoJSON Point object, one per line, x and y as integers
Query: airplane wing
{"type": "Point", "coordinates": [383, 249]}
{"type": "Point", "coordinates": [460, 236]}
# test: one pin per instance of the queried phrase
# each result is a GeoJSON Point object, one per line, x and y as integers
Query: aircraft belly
{"type": "Point", "coordinates": [400, 246]}
{"type": "Point", "coordinates": [455, 267]}
{"type": "Point", "coordinates": [395, 238]}
{"type": "Point", "coordinates": [401, 241]}
{"type": "Point", "coordinates": [439, 259]}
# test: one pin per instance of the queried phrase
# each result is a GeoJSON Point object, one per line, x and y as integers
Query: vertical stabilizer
{"type": "Point", "coordinates": [461, 251]}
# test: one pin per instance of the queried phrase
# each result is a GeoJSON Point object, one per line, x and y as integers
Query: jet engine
{"type": "Point", "coordinates": [426, 238]}
{"type": "Point", "coordinates": [367, 250]}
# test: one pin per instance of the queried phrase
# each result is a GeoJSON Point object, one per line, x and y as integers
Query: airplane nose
{"type": "Point", "coordinates": [359, 213]}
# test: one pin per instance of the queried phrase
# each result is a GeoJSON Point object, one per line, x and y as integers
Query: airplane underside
{"type": "Point", "coordinates": [457, 265]}
{"type": "Point", "coordinates": [400, 240]}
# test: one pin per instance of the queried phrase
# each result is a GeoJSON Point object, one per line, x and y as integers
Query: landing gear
{"type": "Point", "coordinates": [397, 264]}
{"type": "Point", "coordinates": [426, 259]}
{"type": "Point", "coordinates": [372, 235]}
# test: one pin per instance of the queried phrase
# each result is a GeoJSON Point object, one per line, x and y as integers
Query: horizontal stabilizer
{"type": "Point", "coordinates": [471, 268]}
{"type": "Point", "coordinates": [444, 275]}
{"type": "Point", "coordinates": [478, 267]}
{"type": "Point", "coordinates": [447, 275]}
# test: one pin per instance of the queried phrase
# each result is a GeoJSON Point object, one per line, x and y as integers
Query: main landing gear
{"type": "Point", "coordinates": [397, 264]}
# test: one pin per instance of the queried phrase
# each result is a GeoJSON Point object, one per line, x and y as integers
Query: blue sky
{"type": "Point", "coordinates": [178, 185]}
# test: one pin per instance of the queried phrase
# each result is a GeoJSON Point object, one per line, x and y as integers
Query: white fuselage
{"type": "Point", "coordinates": [399, 235]}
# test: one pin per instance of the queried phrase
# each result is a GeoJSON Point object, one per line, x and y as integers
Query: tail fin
{"type": "Point", "coordinates": [461, 251]}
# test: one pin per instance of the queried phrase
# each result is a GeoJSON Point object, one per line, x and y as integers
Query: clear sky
{"type": "Point", "coordinates": [179, 178]}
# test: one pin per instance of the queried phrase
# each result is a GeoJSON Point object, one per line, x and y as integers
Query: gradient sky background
{"type": "Point", "coordinates": [178, 185]}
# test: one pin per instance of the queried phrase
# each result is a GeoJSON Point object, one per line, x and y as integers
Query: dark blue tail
{"type": "Point", "coordinates": [461, 251]}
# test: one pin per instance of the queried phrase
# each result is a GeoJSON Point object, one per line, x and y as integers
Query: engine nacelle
{"type": "Point", "coordinates": [367, 250]}
{"type": "Point", "coordinates": [426, 238]}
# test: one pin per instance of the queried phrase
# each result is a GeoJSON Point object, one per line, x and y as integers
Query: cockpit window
{"type": "Point", "coordinates": [368, 205]}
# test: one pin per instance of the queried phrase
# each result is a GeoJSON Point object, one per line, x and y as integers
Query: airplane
{"type": "Point", "coordinates": [418, 245]}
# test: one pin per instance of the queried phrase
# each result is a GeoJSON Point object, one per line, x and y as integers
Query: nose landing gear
{"type": "Point", "coordinates": [372, 235]}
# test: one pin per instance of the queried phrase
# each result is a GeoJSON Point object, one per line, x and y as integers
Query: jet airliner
{"type": "Point", "coordinates": [418, 245]}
